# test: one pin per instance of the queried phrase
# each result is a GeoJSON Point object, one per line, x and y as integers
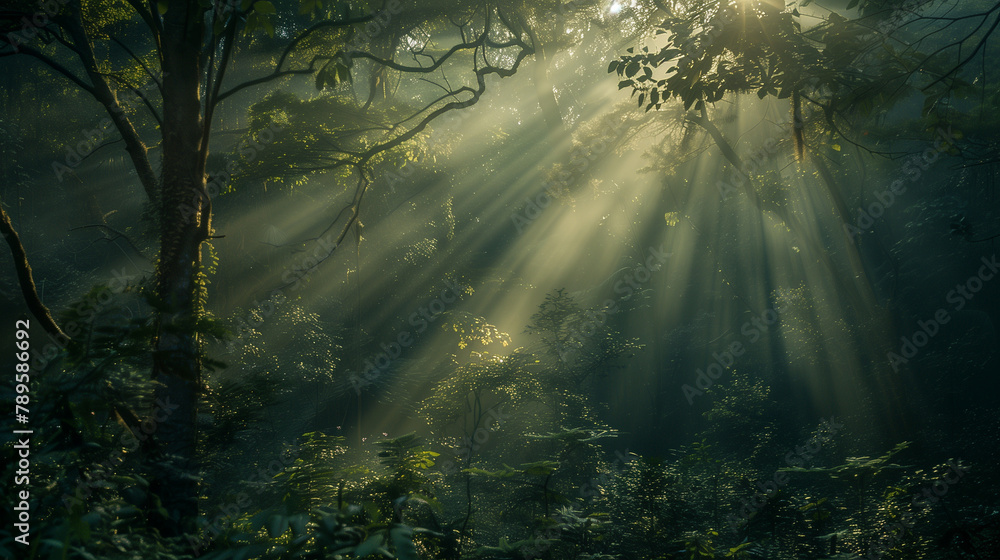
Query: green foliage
{"type": "Point", "coordinates": [855, 65]}
{"type": "Point", "coordinates": [817, 512]}
{"type": "Point", "coordinates": [540, 468]}
{"type": "Point", "coordinates": [649, 504]}
{"type": "Point", "coordinates": [580, 535]}
{"type": "Point", "coordinates": [710, 53]}
{"type": "Point", "coordinates": [335, 503]}
{"type": "Point", "coordinates": [571, 437]}
{"type": "Point", "coordinates": [858, 467]}
{"type": "Point", "coordinates": [700, 545]}
{"type": "Point", "coordinates": [742, 415]}
{"type": "Point", "coordinates": [90, 458]}
{"type": "Point", "coordinates": [408, 462]}
{"type": "Point", "coordinates": [392, 498]}
{"type": "Point", "coordinates": [513, 379]}
{"type": "Point", "coordinates": [556, 320]}
{"type": "Point", "coordinates": [324, 533]}
{"type": "Point", "coordinates": [335, 72]}
{"type": "Point", "coordinates": [578, 341]}
{"type": "Point", "coordinates": [471, 328]}
{"type": "Point", "coordinates": [315, 478]}
{"type": "Point", "coordinates": [740, 551]}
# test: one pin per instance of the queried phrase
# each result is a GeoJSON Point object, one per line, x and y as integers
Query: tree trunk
{"type": "Point", "coordinates": [185, 223]}
{"type": "Point", "coordinates": [543, 85]}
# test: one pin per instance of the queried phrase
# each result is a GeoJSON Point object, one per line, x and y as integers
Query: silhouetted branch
{"type": "Point", "coordinates": [26, 281]}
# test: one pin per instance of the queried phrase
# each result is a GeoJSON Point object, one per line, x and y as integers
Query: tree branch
{"type": "Point", "coordinates": [213, 95]}
{"type": "Point", "coordinates": [103, 93]}
{"type": "Point", "coordinates": [142, 97]}
{"type": "Point", "coordinates": [959, 66]}
{"type": "Point", "coordinates": [52, 64]}
{"type": "Point", "coordinates": [26, 281]}
{"type": "Point", "coordinates": [152, 76]}
{"type": "Point", "coordinates": [360, 160]}
{"type": "Point", "coordinates": [278, 72]}
{"type": "Point", "coordinates": [148, 17]}
{"type": "Point", "coordinates": [116, 232]}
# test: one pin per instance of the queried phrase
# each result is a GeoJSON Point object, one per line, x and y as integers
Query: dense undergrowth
{"type": "Point", "coordinates": [517, 465]}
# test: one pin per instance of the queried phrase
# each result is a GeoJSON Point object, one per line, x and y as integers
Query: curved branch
{"type": "Point", "coordinates": [142, 97]}
{"type": "Point", "coordinates": [52, 64]}
{"type": "Point", "coordinates": [149, 72]}
{"type": "Point", "coordinates": [264, 79]}
{"type": "Point", "coordinates": [100, 91]}
{"type": "Point", "coordinates": [316, 27]}
{"type": "Point", "coordinates": [483, 40]}
{"type": "Point", "coordinates": [116, 232]}
{"type": "Point", "coordinates": [147, 16]}
{"type": "Point", "coordinates": [994, 236]}
{"type": "Point", "coordinates": [26, 281]}
{"type": "Point", "coordinates": [728, 152]}
{"type": "Point", "coordinates": [828, 112]}
{"type": "Point", "coordinates": [278, 72]}
{"type": "Point", "coordinates": [103, 93]}
{"type": "Point", "coordinates": [354, 208]}
{"type": "Point", "coordinates": [476, 94]}
{"type": "Point", "coordinates": [975, 51]}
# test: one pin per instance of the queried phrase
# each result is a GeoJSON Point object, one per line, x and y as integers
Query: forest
{"type": "Point", "coordinates": [499, 280]}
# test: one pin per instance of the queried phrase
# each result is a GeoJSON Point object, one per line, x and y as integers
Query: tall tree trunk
{"type": "Point", "coordinates": [543, 84]}
{"type": "Point", "coordinates": [185, 224]}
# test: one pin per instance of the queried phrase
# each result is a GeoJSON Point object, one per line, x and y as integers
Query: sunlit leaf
{"type": "Point", "coordinates": [264, 7]}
